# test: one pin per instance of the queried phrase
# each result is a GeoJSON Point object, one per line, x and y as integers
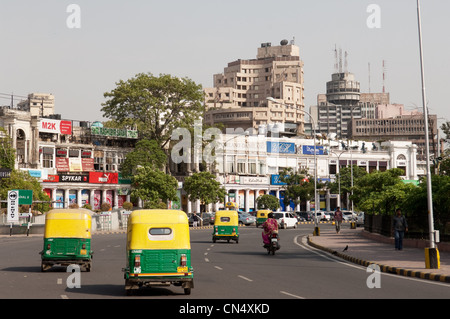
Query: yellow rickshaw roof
{"type": "Point", "coordinates": [158, 216]}
{"type": "Point", "coordinates": [68, 223]}
{"type": "Point", "coordinates": [141, 221]}
{"type": "Point", "coordinates": [69, 213]}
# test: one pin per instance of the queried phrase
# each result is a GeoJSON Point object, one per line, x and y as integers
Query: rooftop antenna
{"type": "Point", "coordinates": [335, 60]}
{"type": "Point", "coordinates": [369, 77]}
{"type": "Point", "coordinates": [346, 62]}
{"type": "Point", "coordinates": [384, 76]}
{"type": "Point", "coordinates": [340, 60]}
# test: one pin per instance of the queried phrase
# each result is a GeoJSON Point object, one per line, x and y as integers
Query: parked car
{"type": "Point", "coordinates": [320, 215]}
{"type": "Point", "coordinates": [206, 219]}
{"type": "Point", "coordinates": [348, 215]}
{"type": "Point", "coordinates": [246, 219]}
{"type": "Point", "coordinates": [360, 219]}
{"type": "Point", "coordinates": [285, 219]}
{"type": "Point", "coordinates": [304, 216]}
{"type": "Point", "coordinates": [329, 216]}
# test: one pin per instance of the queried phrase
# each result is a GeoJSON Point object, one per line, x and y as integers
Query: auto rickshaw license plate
{"type": "Point", "coordinates": [182, 269]}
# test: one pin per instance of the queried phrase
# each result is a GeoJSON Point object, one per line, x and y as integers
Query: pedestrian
{"type": "Point", "coordinates": [400, 226]}
{"type": "Point", "coordinates": [195, 220]}
{"type": "Point", "coordinates": [338, 219]}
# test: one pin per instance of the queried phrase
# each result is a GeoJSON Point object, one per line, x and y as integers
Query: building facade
{"type": "Point", "coordinates": [250, 166]}
{"type": "Point", "coordinates": [75, 162]}
{"type": "Point", "coordinates": [239, 96]}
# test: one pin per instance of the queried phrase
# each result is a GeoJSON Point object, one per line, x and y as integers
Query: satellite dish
{"type": "Point", "coordinates": [284, 42]}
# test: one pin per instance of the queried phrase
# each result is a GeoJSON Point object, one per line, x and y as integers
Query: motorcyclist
{"type": "Point", "coordinates": [269, 227]}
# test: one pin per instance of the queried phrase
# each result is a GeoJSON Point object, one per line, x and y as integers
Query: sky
{"type": "Point", "coordinates": [79, 54]}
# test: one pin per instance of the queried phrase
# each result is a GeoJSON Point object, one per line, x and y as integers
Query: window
{"type": "Point", "coordinates": [160, 233]}
{"type": "Point", "coordinates": [224, 219]}
{"type": "Point", "coordinates": [47, 160]}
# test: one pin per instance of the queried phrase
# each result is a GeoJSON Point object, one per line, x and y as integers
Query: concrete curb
{"type": "Point", "coordinates": [383, 268]}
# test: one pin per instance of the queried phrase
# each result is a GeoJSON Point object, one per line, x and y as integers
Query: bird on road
{"type": "Point", "coordinates": [346, 247]}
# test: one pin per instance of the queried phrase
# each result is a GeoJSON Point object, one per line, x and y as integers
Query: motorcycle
{"type": "Point", "coordinates": [273, 245]}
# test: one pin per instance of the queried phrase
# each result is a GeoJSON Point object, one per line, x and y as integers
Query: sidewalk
{"type": "Point", "coordinates": [364, 251]}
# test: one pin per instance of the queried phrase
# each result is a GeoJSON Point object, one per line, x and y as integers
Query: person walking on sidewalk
{"type": "Point", "coordinates": [400, 226]}
{"type": "Point", "coordinates": [338, 219]}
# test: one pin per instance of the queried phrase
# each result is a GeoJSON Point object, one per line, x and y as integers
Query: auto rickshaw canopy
{"type": "Point", "coordinates": [68, 223]}
{"type": "Point", "coordinates": [158, 229]}
{"type": "Point", "coordinates": [226, 217]}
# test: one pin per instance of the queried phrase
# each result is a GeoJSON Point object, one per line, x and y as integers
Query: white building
{"type": "Point", "coordinates": [250, 165]}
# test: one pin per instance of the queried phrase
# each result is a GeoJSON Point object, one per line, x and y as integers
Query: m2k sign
{"type": "Point", "coordinates": [55, 126]}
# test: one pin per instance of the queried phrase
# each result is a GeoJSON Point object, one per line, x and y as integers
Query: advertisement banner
{"type": "Point", "coordinates": [55, 126]}
{"type": "Point", "coordinates": [87, 164]}
{"type": "Point", "coordinates": [309, 150]}
{"type": "Point", "coordinates": [62, 164]}
{"type": "Point", "coordinates": [281, 147]}
{"type": "Point", "coordinates": [81, 178]}
{"type": "Point", "coordinates": [103, 178]}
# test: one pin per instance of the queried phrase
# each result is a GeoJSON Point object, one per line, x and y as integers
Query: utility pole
{"type": "Point", "coordinates": [431, 253]}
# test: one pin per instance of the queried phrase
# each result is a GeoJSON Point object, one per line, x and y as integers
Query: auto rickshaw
{"type": "Point", "coordinates": [261, 216]}
{"type": "Point", "coordinates": [67, 239]}
{"type": "Point", "coordinates": [226, 226]}
{"type": "Point", "coordinates": [158, 250]}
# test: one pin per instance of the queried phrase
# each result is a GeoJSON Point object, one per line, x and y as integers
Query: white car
{"type": "Point", "coordinates": [348, 215]}
{"type": "Point", "coordinates": [320, 216]}
{"type": "Point", "coordinates": [285, 219]}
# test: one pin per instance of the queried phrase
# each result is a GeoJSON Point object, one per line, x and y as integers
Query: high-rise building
{"type": "Point", "coordinates": [239, 96]}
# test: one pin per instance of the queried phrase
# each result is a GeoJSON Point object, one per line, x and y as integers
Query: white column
{"type": "Point", "coordinates": [246, 200]}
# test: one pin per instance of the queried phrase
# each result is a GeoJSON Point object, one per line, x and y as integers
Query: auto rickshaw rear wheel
{"type": "Point", "coordinates": [187, 291]}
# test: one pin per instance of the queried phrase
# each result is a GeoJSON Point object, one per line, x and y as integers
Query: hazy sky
{"type": "Point", "coordinates": [197, 38]}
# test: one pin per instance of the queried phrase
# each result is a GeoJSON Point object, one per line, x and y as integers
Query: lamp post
{"type": "Point", "coordinates": [339, 180]}
{"type": "Point", "coordinates": [316, 230]}
{"type": "Point", "coordinates": [432, 257]}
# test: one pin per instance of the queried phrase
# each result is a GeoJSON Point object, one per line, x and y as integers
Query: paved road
{"type": "Point", "coordinates": [223, 271]}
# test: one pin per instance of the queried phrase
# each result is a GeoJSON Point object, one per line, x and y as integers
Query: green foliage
{"type": "Point", "coordinates": [204, 187]}
{"type": "Point", "coordinates": [22, 180]}
{"type": "Point", "coordinates": [7, 153]}
{"type": "Point", "coordinates": [417, 201]}
{"type": "Point", "coordinates": [153, 186]}
{"type": "Point", "coordinates": [381, 192]}
{"type": "Point", "coordinates": [268, 202]}
{"type": "Point", "coordinates": [145, 153]}
{"type": "Point", "coordinates": [156, 105]}
{"type": "Point", "coordinates": [299, 186]}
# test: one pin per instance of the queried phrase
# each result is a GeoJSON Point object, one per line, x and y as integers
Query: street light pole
{"type": "Point", "coordinates": [432, 259]}
{"type": "Point", "coordinates": [316, 231]}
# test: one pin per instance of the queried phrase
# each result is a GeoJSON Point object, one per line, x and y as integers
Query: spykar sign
{"type": "Point", "coordinates": [55, 126]}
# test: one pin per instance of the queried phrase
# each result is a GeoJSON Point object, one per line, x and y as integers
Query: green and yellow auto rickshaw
{"type": "Point", "coordinates": [261, 216]}
{"type": "Point", "coordinates": [158, 250]}
{"type": "Point", "coordinates": [67, 239]}
{"type": "Point", "coordinates": [226, 226]}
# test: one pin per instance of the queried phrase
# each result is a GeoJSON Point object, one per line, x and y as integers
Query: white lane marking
{"type": "Point", "coordinates": [59, 281]}
{"type": "Point", "coordinates": [245, 278]}
{"type": "Point", "coordinates": [207, 260]}
{"type": "Point", "coordinates": [64, 297]}
{"type": "Point", "coordinates": [288, 294]}
{"type": "Point", "coordinates": [217, 267]}
{"type": "Point", "coordinates": [347, 263]}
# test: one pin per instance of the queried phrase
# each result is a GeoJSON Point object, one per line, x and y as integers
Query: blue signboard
{"type": "Point", "coordinates": [281, 147]}
{"type": "Point", "coordinates": [309, 150]}
{"type": "Point", "coordinates": [275, 180]}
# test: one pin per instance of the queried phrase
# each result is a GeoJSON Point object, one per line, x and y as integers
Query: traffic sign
{"type": "Point", "coordinates": [25, 196]}
{"type": "Point", "coordinates": [13, 206]}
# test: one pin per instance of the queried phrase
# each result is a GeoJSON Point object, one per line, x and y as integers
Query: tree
{"type": "Point", "coordinates": [7, 153]}
{"type": "Point", "coordinates": [22, 180]}
{"type": "Point", "coordinates": [204, 187]}
{"type": "Point", "coordinates": [298, 186]}
{"type": "Point", "coordinates": [145, 153]}
{"type": "Point", "coordinates": [381, 192]}
{"type": "Point", "coordinates": [156, 105]}
{"type": "Point", "coordinates": [268, 202]}
{"type": "Point", "coordinates": [153, 187]}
